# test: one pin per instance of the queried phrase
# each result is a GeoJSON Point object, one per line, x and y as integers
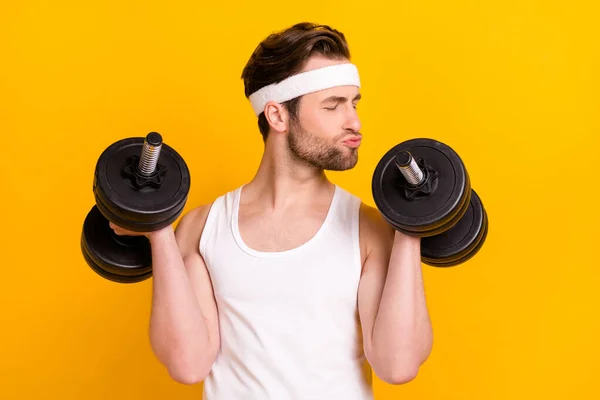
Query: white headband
{"type": "Point", "coordinates": [303, 83]}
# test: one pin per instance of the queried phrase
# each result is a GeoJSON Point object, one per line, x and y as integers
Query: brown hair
{"type": "Point", "coordinates": [284, 53]}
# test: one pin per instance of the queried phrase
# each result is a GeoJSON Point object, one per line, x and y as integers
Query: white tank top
{"type": "Point", "coordinates": [289, 320]}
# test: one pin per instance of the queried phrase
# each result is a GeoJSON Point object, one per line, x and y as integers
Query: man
{"type": "Point", "coordinates": [289, 287]}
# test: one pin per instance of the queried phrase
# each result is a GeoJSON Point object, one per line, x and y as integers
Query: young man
{"type": "Point", "coordinates": [290, 287]}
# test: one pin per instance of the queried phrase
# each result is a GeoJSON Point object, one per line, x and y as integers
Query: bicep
{"type": "Point", "coordinates": [370, 290]}
{"type": "Point", "coordinates": [377, 237]}
{"type": "Point", "coordinates": [188, 233]}
{"type": "Point", "coordinates": [203, 289]}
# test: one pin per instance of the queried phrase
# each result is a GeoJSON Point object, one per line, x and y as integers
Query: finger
{"type": "Point", "coordinates": [116, 229]}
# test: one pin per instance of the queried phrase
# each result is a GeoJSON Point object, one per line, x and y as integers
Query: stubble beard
{"type": "Point", "coordinates": [318, 152]}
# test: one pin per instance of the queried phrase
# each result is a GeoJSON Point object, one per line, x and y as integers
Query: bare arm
{"type": "Point", "coordinates": [396, 325]}
{"type": "Point", "coordinates": [184, 323]}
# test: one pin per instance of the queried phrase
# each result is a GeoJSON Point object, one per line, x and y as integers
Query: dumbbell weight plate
{"type": "Point", "coordinates": [461, 242]}
{"type": "Point", "coordinates": [446, 224]}
{"type": "Point", "coordinates": [433, 213]}
{"type": "Point", "coordinates": [122, 259]}
{"type": "Point", "coordinates": [468, 255]}
{"type": "Point", "coordinates": [140, 209]}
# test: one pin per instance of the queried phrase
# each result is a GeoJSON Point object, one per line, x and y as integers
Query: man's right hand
{"type": "Point", "coordinates": [124, 232]}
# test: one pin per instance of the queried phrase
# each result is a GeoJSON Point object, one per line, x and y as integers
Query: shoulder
{"type": "Point", "coordinates": [194, 216]}
{"type": "Point", "coordinates": [190, 227]}
{"type": "Point", "coordinates": [376, 234]}
{"type": "Point", "coordinates": [192, 222]}
{"type": "Point", "coordinates": [373, 225]}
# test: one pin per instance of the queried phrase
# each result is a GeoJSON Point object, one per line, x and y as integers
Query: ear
{"type": "Point", "coordinates": [277, 116]}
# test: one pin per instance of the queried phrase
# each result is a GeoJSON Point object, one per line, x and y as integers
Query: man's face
{"type": "Point", "coordinates": [327, 131]}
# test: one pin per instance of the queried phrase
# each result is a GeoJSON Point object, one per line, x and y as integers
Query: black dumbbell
{"type": "Point", "coordinates": [140, 184]}
{"type": "Point", "coordinates": [422, 188]}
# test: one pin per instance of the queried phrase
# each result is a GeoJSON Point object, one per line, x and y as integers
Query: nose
{"type": "Point", "coordinates": [352, 121]}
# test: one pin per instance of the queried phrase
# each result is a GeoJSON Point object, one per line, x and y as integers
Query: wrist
{"type": "Point", "coordinates": [403, 237]}
{"type": "Point", "coordinates": [404, 242]}
{"type": "Point", "coordinates": [160, 234]}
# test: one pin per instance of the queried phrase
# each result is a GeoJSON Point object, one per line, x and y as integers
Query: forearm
{"type": "Point", "coordinates": [178, 330]}
{"type": "Point", "coordinates": [402, 335]}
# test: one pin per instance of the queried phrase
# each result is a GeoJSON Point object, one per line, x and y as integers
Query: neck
{"type": "Point", "coordinates": [282, 180]}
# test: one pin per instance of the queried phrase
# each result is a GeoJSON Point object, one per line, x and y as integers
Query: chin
{"type": "Point", "coordinates": [343, 165]}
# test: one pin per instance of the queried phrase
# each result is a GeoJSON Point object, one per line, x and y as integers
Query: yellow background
{"type": "Point", "coordinates": [511, 85]}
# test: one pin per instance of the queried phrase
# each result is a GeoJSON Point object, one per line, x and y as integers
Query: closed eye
{"type": "Point", "coordinates": [336, 100]}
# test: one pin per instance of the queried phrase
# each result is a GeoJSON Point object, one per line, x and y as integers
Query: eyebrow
{"type": "Point", "coordinates": [340, 99]}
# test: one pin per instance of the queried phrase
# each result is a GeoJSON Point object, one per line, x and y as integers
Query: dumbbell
{"type": "Point", "coordinates": [141, 184]}
{"type": "Point", "coordinates": [422, 188]}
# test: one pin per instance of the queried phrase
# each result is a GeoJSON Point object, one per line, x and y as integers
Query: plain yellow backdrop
{"type": "Point", "coordinates": [512, 85]}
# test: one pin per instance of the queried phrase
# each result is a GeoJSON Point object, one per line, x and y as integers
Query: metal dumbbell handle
{"type": "Point", "coordinates": [150, 153]}
{"type": "Point", "coordinates": [409, 168]}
